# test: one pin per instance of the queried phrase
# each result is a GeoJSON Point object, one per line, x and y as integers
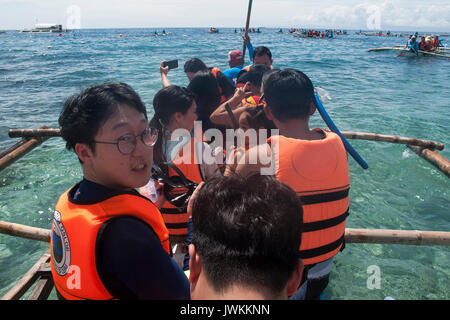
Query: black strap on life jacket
{"type": "Point", "coordinates": [315, 252]}
{"type": "Point", "coordinates": [324, 224]}
{"type": "Point", "coordinates": [324, 197]}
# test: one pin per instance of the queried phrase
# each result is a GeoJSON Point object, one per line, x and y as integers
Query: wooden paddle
{"type": "Point", "coordinates": [249, 11]}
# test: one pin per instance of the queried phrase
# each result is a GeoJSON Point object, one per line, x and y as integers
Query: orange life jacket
{"type": "Point", "coordinates": [176, 219]}
{"type": "Point", "coordinates": [435, 43]}
{"type": "Point", "coordinates": [222, 97]}
{"type": "Point", "coordinates": [73, 241]}
{"type": "Point", "coordinates": [251, 101]}
{"type": "Point", "coordinates": [318, 171]}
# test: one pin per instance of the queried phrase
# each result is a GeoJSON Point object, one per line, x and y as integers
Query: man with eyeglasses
{"type": "Point", "coordinates": [108, 241]}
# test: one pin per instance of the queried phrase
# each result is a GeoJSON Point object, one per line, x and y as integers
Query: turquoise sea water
{"type": "Point", "coordinates": [372, 92]}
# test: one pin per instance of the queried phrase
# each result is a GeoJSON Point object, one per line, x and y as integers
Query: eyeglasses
{"type": "Point", "coordinates": [127, 143]}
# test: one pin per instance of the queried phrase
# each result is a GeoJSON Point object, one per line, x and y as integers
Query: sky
{"type": "Point", "coordinates": [396, 15]}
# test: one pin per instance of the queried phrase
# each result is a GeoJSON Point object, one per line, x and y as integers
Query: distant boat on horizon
{"type": "Point", "coordinates": [45, 27]}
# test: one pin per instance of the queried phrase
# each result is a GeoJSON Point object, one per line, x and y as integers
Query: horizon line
{"type": "Point", "coordinates": [401, 28]}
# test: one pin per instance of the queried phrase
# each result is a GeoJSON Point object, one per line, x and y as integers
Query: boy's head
{"type": "Point", "coordinates": [254, 76]}
{"type": "Point", "coordinates": [288, 94]}
{"type": "Point", "coordinates": [262, 55]}
{"type": "Point", "coordinates": [247, 234]}
{"type": "Point", "coordinates": [107, 127]}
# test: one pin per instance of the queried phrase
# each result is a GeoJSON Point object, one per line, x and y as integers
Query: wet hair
{"type": "Point", "coordinates": [83, 114]}
{"type": "Point", "coordinates": [288, 93]}
{"type": "Point", "coordinates": [247, 231]}
{"type": "Point", "coordinates": [194, 65]}
{"type": "Point", "coordinates": [207, 94]}
{"type": "Point", "coordinates": [166, 102]}
{"type": "Point", "coordinates": [256, 72]}
{"type": "Point", "coordinates": [260, 51]}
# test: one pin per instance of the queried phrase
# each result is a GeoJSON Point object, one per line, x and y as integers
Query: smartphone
{"type": "Point", "coordinates": [172, 64]}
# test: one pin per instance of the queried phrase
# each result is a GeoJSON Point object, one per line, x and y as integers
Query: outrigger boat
{"type": "Point", "coordinates": [39, 277]}
{"type": "Point", "coordinates": [442, 52]}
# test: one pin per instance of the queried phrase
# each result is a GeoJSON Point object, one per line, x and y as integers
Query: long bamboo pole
{"type": "Point", "coordinates": [54, 132]}
{"type": "Point", "coordinates": [23, 231]}
{"type": "Point", "coordinates": [247, 24]}
{"type": "Point", "coordinates": [393, 139]}
{"type": "Point", "coordinates": [33, 133]}
{"type": "Point", "coordinates": [434, 158]}
{"type": "Point", "coordinates": [20, 152]}
{"type": "Point", "coordinates": [410, 237]}
{"type": "Point", "coordinates": [12, 148]}
{"type": "Point", "coordinates": [382, 236]}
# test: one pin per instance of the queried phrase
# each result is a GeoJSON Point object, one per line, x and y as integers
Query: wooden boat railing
{"type": "Point", "coordinates": [40, 271]}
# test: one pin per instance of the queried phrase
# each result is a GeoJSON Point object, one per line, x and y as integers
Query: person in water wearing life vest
{"type": "Point", "coordinates": [180, 158]}
{"type": "Point", "coordinates": [244, 96]}
{"type": "Point", "coordinates": [245, 239]}
{"type": "Point", "coordinates": [108, 241]}
{"type": "Point", "coordinates": [313, 163]}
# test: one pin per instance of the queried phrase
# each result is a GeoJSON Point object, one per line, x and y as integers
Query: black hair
{"type": "Point", "coordinates": [256, 72]}
{"type": "Point", "coordinates": [242, 76]}
{"type": "Point", "coordinates": [288, 93]}
{"type": "Point", "coordinates": [247, 231]}
{"type": "Point", "coordinates": [83, 114]}
{"type": "Point", "coordinates": [207, 93]}
{"type": "Point", "coordinates": [194, 65]}
{"type": "Point", "coordinates": [166, 102]}
{"type": "Point", "coordinates": [225, 84]}
{"type": "Point", "coordinates": [260, 51]}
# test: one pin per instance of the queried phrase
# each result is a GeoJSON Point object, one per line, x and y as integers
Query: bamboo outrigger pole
{"type": "Point", "coordinates": [249, 11]}
{"type": "Point", "coordinates": [434, 158]}
{"type": "Point", "coordinates": [54, 132]}
{"type": "Point", "coordinates": [382, 236]}
{"type": "Point", "coordinates": [19, 152]}
{"type": "Point", "coordinates": [33, 133]}
{"type": "Point", "coordinates": [22, 231]}
{"type": "Point", "coordinates": [393, 139]}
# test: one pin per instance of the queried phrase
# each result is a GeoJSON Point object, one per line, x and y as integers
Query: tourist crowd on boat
{"type": "Point", "coordinates": [150, 211]}
{"type": "Point", "coordinates": [426, 43]}
{"type": "Point", "coordinates": [310, 33]}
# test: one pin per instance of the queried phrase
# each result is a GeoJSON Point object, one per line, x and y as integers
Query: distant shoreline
{"type": "Point", "coordinates": [412, 30]}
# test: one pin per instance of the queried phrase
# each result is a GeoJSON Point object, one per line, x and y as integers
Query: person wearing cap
{"type": "Point", "coordinates": [413, 45]}
{"type": "Point", "coordinates": [236, 61]}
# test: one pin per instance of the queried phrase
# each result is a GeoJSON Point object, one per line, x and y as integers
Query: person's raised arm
{"type": "Point", "coordinates": [164, 70]}
{"type": "Point", "coordinates": [220, 116]}
{"type": "Point", "coordinates": [247, 42]}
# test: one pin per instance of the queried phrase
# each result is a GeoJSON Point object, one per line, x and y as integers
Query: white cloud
{"type": "Point", "coordinates": [392, 14]}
